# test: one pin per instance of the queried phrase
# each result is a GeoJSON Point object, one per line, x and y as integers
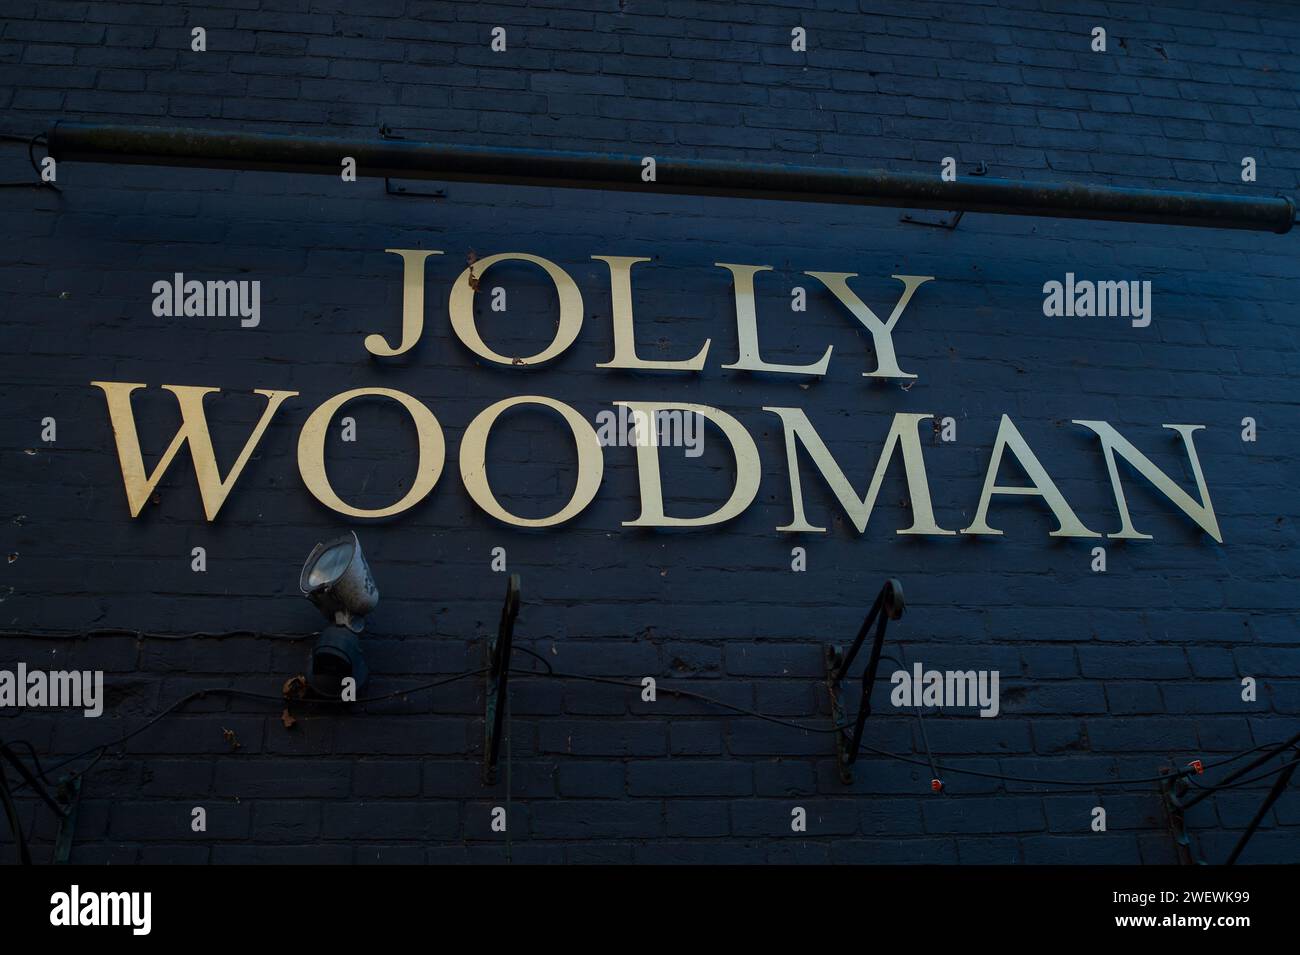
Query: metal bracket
{"type": "Point", "coordinates": [498, 674]}
{"type": "Point", "coordinates": [1177, 802]}
{"type": "Point", "coordinates": [404, 192]}
{"type": "Point", "coordinates": [888, 606]}
{"type": "Point", "coordinates": [1171, 791]}
{"type": "Point", "coordinates": [942, 220]}
{"type": "Point", "coordinates": [1279, 786]}
{"type": "Point", "coordinates": [63, 803]}
{"type": "Point", "coordinates": [834, 658]}
{"type": "Point", "coordinates": [31, 142]}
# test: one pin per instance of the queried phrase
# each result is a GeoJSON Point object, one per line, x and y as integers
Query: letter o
{"type": "Point", "coordinates": [461, 308]}
{"type": "Point", "coordinates": [311, 453]}
{"type": "Point", "coordinates": [473, 462]}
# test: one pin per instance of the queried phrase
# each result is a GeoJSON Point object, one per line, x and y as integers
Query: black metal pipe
{"type": "Point", "coordinates": [228, 149]}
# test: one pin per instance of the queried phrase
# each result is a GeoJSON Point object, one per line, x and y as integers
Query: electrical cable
{"type": "Point", "coordinates": [1237, 784]}
{"type": "Point", "coordinates": [538, 657]}
{"type": "Point", "coordinates": [102, 749]}
{"type": "Point", "coordinates": [36, 760]}
{"type": "Point", "coordinates": [934, 767]}
{"type": "Point", "coordinates": [920, 720]}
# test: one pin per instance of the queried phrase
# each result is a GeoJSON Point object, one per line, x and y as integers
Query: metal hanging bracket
{"type": "Point", "coordinates": [498, 675]}
{"type": "Point", "coordinates": [405, 192]}
{"type": "Point", "coordinates": [63, 803]}
{"type": "Point", "coordinates": [888, 606]}
{"type": "Point", "coordinates": [944, 220]}
{"type": "Point", "coordinates": [39, 182]}
{"type": "Point", "coordinates": [1174, 791]}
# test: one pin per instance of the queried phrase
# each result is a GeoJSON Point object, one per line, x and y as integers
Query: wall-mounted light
{"type": "Point", "coordinates": [336, 578]}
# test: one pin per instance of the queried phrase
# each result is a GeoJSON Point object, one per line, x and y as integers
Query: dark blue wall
{"type": "Point", "coordinates": [1110, 675]}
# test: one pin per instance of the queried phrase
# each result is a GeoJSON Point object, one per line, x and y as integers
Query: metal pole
{"type": "Point", "coordinates": [868, 681]}
{"type": "Point", "coordinates": [1279, 785]}
{"type": "Point", "coordinates": [498, 677]}
{"type": "Point", "coordinates": [233, 149]}
{"type": "Point", "coordinates": [888, 606]}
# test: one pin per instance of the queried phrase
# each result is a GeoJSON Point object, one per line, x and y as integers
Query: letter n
{"type": "Point", "coordinates": [193, 431]}
{"type": "Point", "coordinates": [1202, 513]}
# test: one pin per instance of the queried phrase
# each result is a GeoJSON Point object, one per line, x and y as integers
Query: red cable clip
{"type": "Point", "coordinates": [936, 785]}
{"type": "Point", "coordinates": [1197, 765]}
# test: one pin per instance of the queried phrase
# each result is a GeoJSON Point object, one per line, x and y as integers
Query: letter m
{"type": "Point", "coordinates": [903, 433]}
{"type": "Point", "coordinates": [193, 431]}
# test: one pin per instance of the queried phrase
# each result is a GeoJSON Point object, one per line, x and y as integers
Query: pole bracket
{"type": "Point", "coordinates": [497, 677]}
{"type": "Point", "coordinates": [834, 659]}
{"type": "Point", "coordinates": [1172, 789]}
{"type": "Point", "coordinates": [405, 192]}
{"type": "Point", "coordinates": [888, 606]}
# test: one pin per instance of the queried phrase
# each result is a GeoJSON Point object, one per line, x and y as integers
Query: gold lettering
{"type": "Point", "coordinates": [193, 430]}
{"type": "Point", "coordinates": [1202, 513]}
{"type": "Point", "coordinates": [799, 430]}
{"type": "Point", "coordinates": [647, 463]}
{"type": "Point", "coordinates": [412, 304]}
{"type": "Point", "coordinates": [620, 293]}
{"type": "Point", "coordinates": [742, 277]}
{"type": "Point", "coordinates": [881, 332]}
{"type": "Point", "coordinates": [1010, 437]}
{"type": "Point", "coordinates": [461, 306]}
{"type": "Point", "coordinates": [432, 450]}
{"type": "Point", "coordinates": [473, 462]}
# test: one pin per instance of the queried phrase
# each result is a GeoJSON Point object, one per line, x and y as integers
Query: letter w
{"type": "Point", "coordinates": [193, 430]}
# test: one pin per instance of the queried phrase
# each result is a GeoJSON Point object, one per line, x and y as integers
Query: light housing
{"type": "Point", "coordinates": [336, 578]}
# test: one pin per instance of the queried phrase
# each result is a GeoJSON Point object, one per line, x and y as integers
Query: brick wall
{"type": "Point", "coordinates": [1104, 675]}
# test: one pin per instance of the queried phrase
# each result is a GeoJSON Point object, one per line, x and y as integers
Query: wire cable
{"type": "Point", "coordinates": [101, 750]}
{"type": "Point", "coordinates": [1237, 784]}
{"type": "Point", "coordinates": [931, 764]}
{"type": "Point", "coordinates": [937, 770]}
{"type": "Point", "coordinates": [920, 721]}
{"type": "Point", "coordinates": [538, 657]}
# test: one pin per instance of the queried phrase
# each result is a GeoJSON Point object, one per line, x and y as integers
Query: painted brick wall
{"type": "Point", "coordinates": [1104, 675]}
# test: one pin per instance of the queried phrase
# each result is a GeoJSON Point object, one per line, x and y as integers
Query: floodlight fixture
{"type": "Point", "coordinates": [336, 578]}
